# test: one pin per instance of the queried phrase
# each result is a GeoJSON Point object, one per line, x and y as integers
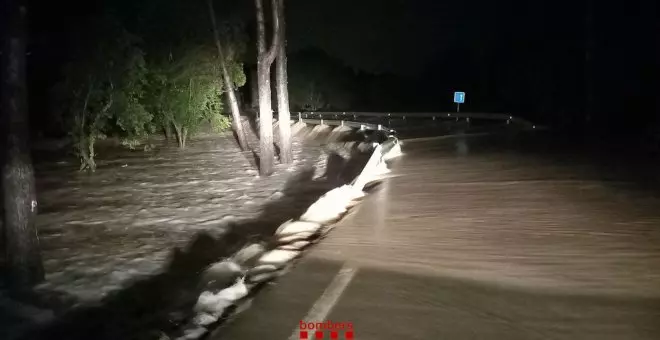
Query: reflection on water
{"type": "Point", "coordinates": [519, 210]}
{"type": "Point", "coordinates": [462, 146]}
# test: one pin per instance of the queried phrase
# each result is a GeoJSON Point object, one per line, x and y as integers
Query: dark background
{"type": "Point", "coordinates": [521, 57]}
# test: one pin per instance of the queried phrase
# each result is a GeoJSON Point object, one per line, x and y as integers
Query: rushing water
{"type": "Point", "coordinates": [97, 230]}
{"type": "Point", "coordinates": [504, 236]}
{"type": "Point", "coordinates": [518, 209]}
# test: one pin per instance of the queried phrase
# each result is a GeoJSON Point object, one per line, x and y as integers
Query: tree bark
{"type": "Point", "coordinates": [179, 135]}
{"type": "Point", "coordinates": [167, 128]}
{"type": "Point", "coordinates": [91, 135]}
{"type": "Point", "coordinates": [283, 114]}
{"type": "Point", "coordinates": [229, 84]}
{"type": "Point", "coordinates": [24, 262]}
{"type": "Point", "coordinates": [264, 61]}
{"type": "Point", "coordinates": [184, 137]}
{"type": "Point", "coordinates": [91, 153]}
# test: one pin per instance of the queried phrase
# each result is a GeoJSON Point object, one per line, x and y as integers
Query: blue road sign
{"type": "Point", "coordinates": [459, 97]}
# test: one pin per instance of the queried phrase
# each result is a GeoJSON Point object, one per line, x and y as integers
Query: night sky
{"type": "Point", "coordinates": [521, 57]}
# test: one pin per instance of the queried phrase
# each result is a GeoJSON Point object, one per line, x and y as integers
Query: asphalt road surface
{"type": "Point", "coordinates": [482, 238]}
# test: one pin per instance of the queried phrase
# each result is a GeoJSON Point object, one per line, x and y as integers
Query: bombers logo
{"type": "Point", "coordinates": [326, 330]}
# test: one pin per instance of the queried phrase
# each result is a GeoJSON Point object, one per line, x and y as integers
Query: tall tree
{"type": "Point", "coordinates": [186, 91]}
{"type": "Point", "coordinates": [103, 88]}
{"type": "Point", "coordinates": [283, 114]}
{"type": "Point", "coordinates": [265, 58]}
{"type": "Point", "coordinates": [229, 84]}
{"type": "Point", "coordinates": [20, 199]}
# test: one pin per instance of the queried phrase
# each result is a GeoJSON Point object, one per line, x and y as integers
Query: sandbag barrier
{"type": "Point", "coordinates": [254, 265]}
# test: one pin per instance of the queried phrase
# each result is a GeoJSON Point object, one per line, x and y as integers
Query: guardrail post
{"type": "Point", "coordinates": [382, 120]}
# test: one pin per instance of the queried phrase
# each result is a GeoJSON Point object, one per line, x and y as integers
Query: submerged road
{"type": "Point", "coordinates": [489, 237]}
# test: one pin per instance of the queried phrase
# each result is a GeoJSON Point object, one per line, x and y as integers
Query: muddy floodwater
{"type": "Point", "coordinates": [99, 230]}
{"type": "Point", "coordinates": [502, 236]}
{"type": "Point", "coordinates": [524, 210]}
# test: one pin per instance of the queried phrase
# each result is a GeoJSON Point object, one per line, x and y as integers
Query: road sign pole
{"type": "Point", "coordinates": [459, 97]}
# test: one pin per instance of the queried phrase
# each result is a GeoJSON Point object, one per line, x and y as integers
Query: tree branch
{"type": "Point", "coordinates": [216, 35]}
{"type": "Point", "coordinates": [275, 43]}
{"type": "Point", "coordinates": [264, 56]}
{"type": "Point", "coordinates": [261, 29]}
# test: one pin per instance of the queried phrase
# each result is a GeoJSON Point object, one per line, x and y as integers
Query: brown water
{"type": "Point", "coordinates": [525, 213]}
{"type": "Point", "coordinates": [99, 230]}
{"type": "Point", "coordinates": [514, 211]}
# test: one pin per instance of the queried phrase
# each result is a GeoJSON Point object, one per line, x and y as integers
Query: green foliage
{"type": "Point", "coordinates": [102, 89]}
{"type": "Point", "coordinates": [236, 73]}
{"type": "Point", "coordinates": [186, 92]}
{"type": "Point", "coordinates": [131, 143]}
{"type": "Point", "coordinates": [220, 123]}
{"type": "Point", "coordinates": [164, 76]}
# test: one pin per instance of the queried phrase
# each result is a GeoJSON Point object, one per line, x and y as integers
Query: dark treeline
{"type": "Point", "coordinates": [528, 58]}
{"type": "Point", "coordinates": [520, 57]}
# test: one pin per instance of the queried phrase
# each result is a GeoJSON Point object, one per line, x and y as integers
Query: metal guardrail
{"type": "Point", "coordinates": [357, 125]}
{"type": "Point", "coordinates": [403, 115]}
{"type": "Point", "coordinates": [352, 118]}
{"type": "Point", "coordinates": [375, 121]}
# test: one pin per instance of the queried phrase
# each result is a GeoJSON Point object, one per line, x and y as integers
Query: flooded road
{"type": "Point", "coordinates": [513, 211]}
{"type": "Point", "coordinates": [100, 230]}
{"type": "Point", "coordinates": [485, 237]}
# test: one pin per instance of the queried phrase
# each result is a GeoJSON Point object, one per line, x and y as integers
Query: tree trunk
{"type": "Point", "coordinates": [167, 128]}
{"type": "Point", "coordinates": [24, 263]}
{"type": "Point", "coordinates": [91, 153]}
{"type": "Point", "coordinates": [82, 145]}
{"type": "Point", "coordinates": [264, 61]}
{"type": "Point", "coordinates": [184, 137]}
{"type": "Point", "coordinates": [283, 114]}
{"type": "Point", "coordinates": [229, 84]}
{"type": "Point", "coordinates": [88, 152]}
{"type": "Point", "coordinates": [179, 135]}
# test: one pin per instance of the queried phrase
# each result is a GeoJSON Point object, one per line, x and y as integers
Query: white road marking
{"type": "Point", "coordinates": [323, 306]}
